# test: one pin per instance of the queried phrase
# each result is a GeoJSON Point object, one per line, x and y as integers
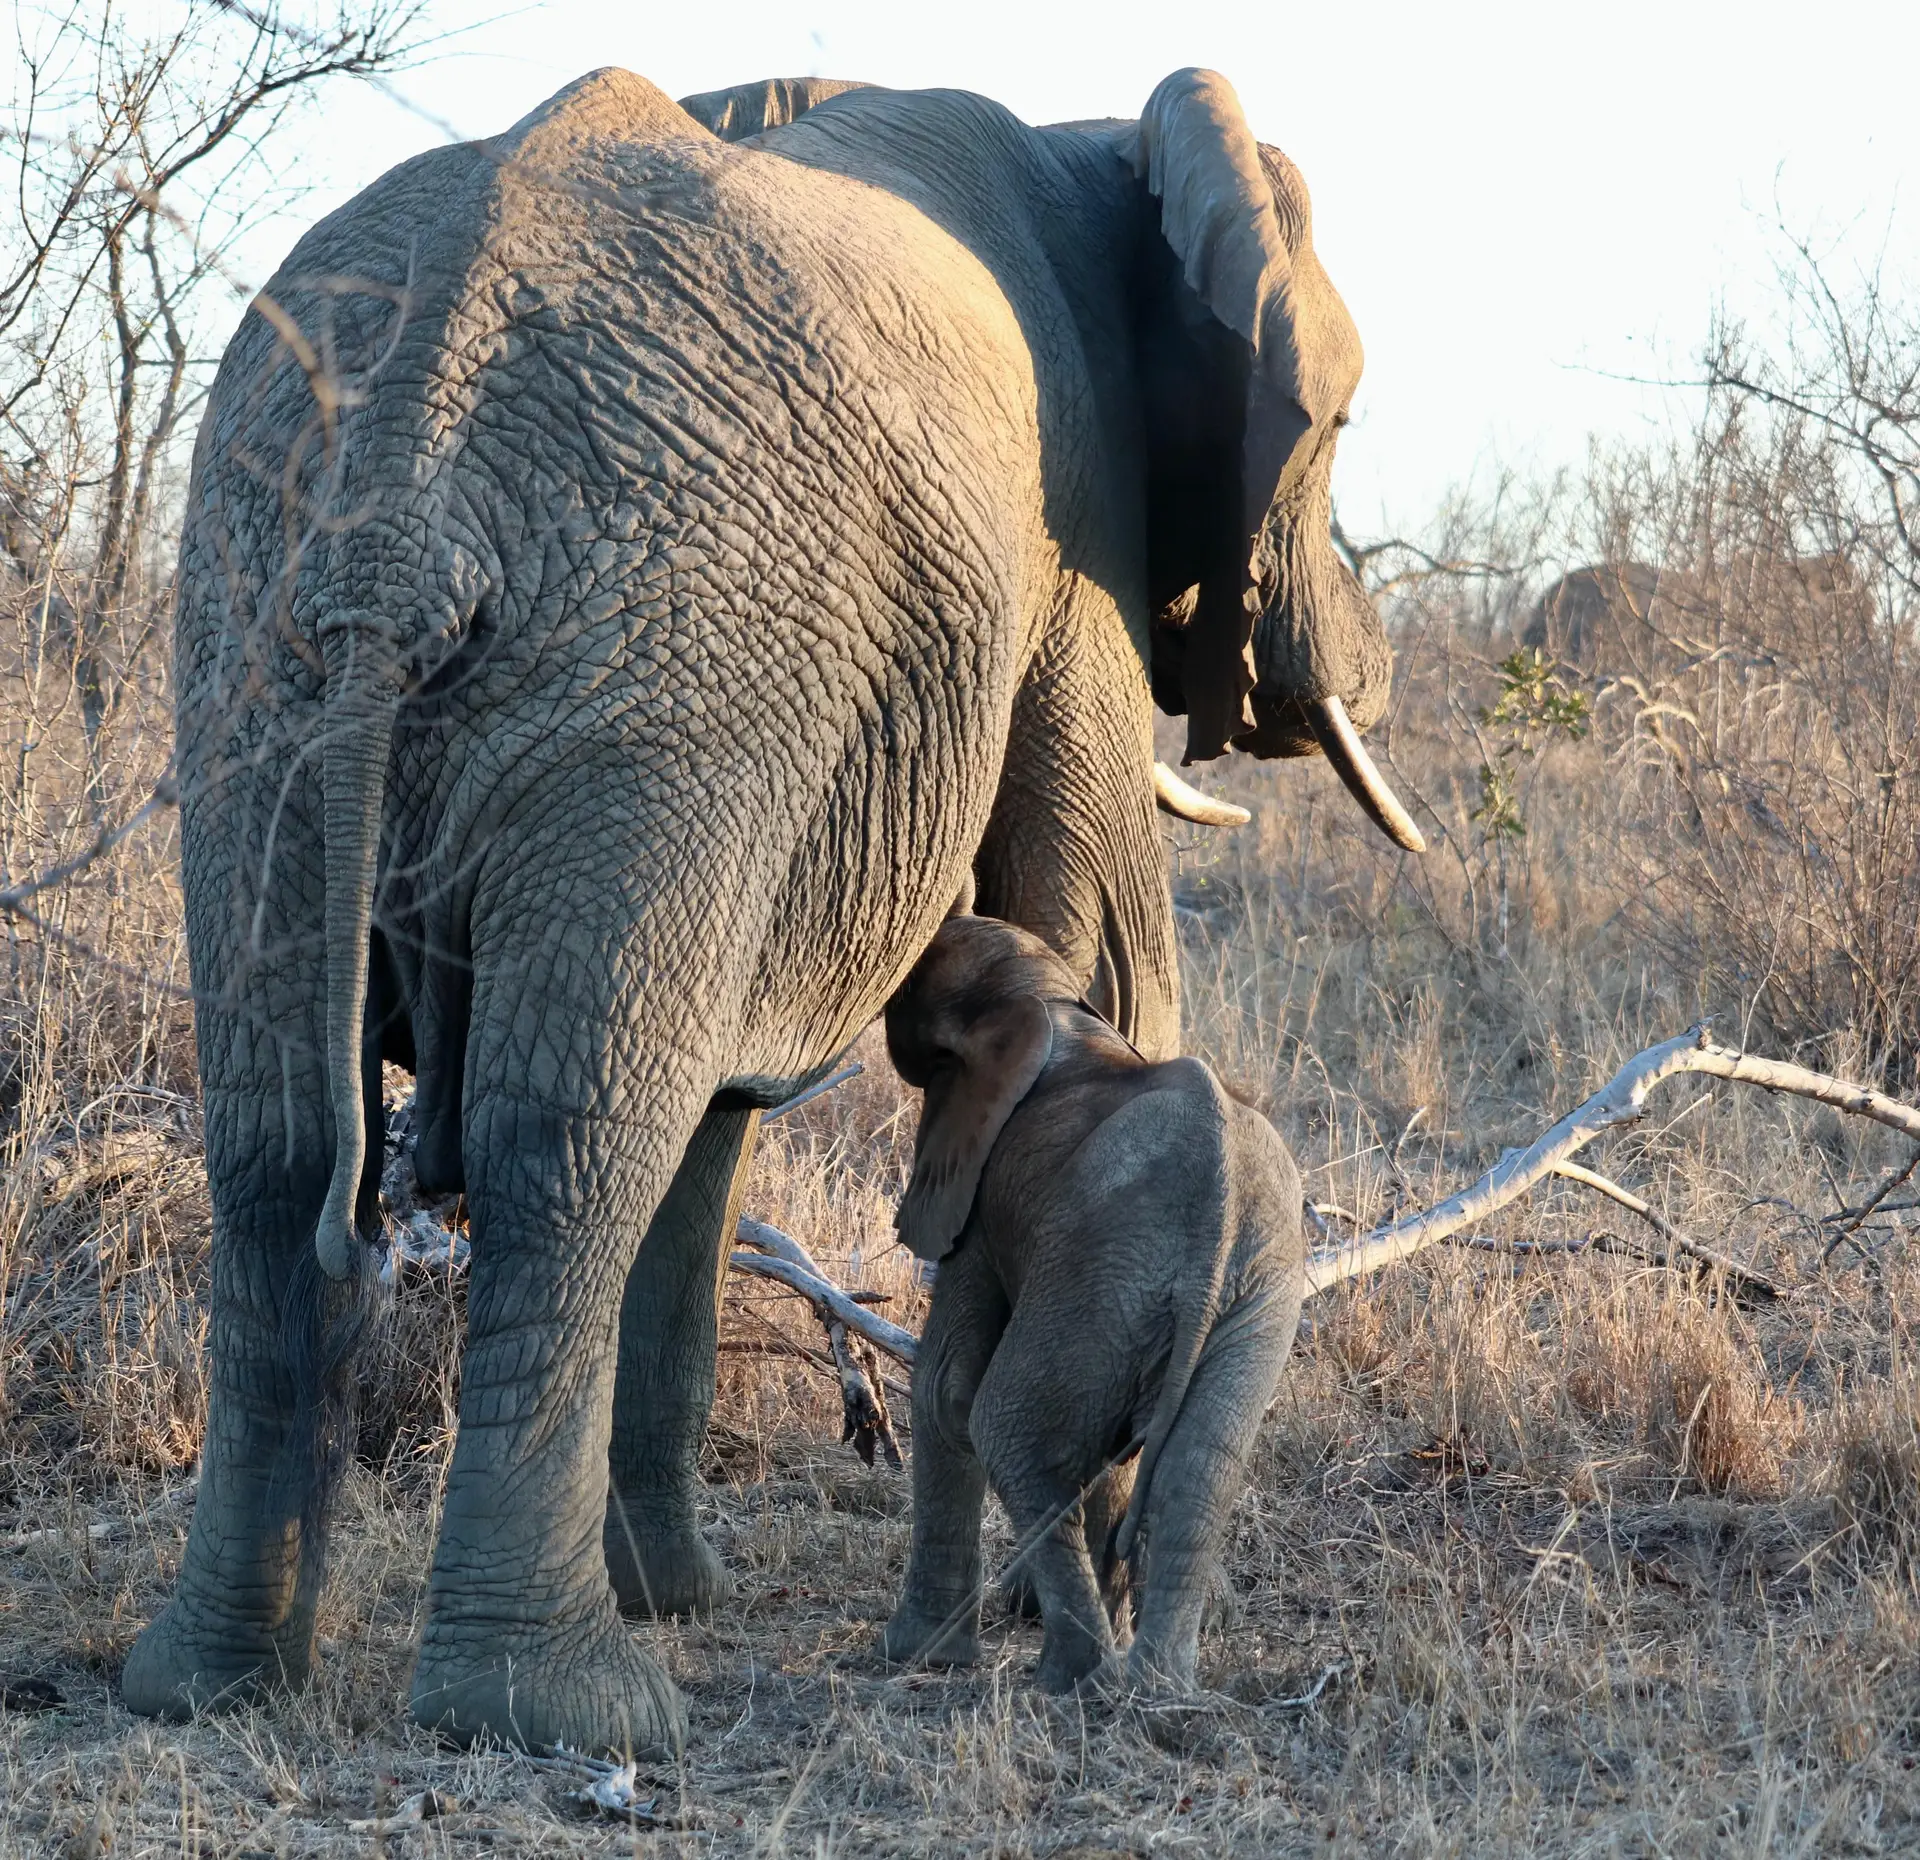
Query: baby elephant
{"type": "Point", "coordinates": [1121, 1265]}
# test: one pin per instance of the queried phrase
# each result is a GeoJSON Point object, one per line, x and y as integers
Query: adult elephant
{"type": "Point", "coordinates": [629, 580]}
{"type": "Point", "coordinates": [1629, 619]}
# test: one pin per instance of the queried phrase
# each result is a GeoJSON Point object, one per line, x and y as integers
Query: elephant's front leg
{"type": "Point", "coordinates": [938, 1618]}
{"type": "Point", "coordinates": [669, 1333]}
{"type": "Point", "coordinates": [524, 1642]}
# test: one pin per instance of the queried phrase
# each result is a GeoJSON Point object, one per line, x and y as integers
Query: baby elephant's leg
{"type": "Point", "coordinates": [1199, 1477]}
{"type": "Point", "coordinates": [1103, 1506]}
{"type": "Point", "coordinates": [1031, 1433]}
{"type": "Point", "coordinates": [938, 1618]}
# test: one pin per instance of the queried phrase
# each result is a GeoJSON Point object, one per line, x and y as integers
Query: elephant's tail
{"type": "Point", "coordinates": [362, 694]}
{"type": "Point", "coordinates": [1192, 1324]}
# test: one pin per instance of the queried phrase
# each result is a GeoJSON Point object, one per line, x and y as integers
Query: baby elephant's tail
{"type": "Point", "coordinates": [1192, 1323]}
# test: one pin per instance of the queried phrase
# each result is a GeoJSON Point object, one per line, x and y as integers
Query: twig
{"type": "Point", "coordinates": [1530, 1249]}
{"type": "Point", "coordinates": [166, 792]}
{"type": "Point", "coordinates": [1866, 1255]}
{"type": "Point", "coordinates": [773, 1346]}
{"type": "Point", "coordinates": [1312, 1694]}
{"type": "Point", "coordinates": [1860, 1215]}
{"type": "Point", "coordinates": [1621, 1101]}
{"type": "Point", "coordinates": [1741, 1278]}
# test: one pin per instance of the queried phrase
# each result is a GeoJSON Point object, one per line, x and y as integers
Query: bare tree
{"type": "Point", "coordinates": [140, 155]}
{"type": "Point", "coordinates": [142, 147]}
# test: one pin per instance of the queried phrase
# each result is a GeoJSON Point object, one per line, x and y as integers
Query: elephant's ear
{"type": "Point", "coordinates": [746, 109]}
{"type": "Point", "coordinates": [967, 1107]}
{"type": "Point", "coordinates": [1220, 213]}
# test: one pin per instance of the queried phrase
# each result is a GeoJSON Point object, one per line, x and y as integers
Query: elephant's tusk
{"type": "Point", "coordinates": [1341, 744]}
{"type": "Point", "coordinates": [1172, 796]}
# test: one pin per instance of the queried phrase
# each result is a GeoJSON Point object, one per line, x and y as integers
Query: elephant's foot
{"type": "Point", "coordinates": [193, 1658]}
{"type": "Point", "coordinates": [1019, 1598]}
{"type": "Point", "coordinates": [919, 1636]}
{"type": "Point", "coordinates": [1162, 1669]}
{"type": "Point", "coordinates": [1069, 1659]}
{"type": "Point", "coordinates": [663, 1571]}
{"type": "Point", "coordinates": [589, 1687]}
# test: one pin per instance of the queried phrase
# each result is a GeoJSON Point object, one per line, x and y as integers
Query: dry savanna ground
{"type": "Point", "coordinates": [1548, 1553]}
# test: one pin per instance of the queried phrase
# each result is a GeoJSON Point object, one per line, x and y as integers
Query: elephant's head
{"type": "Point", "coordinates": [1263, 637]}
{"type": "Point", "coordinates": [970, 1026]}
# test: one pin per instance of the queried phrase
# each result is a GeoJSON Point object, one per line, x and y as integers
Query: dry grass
{"type": "Point", "coordinates": [1598, 1561]}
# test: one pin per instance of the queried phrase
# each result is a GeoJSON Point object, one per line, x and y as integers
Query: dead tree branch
{"type": "Point", "coordinates": [853, 1332]}
{"type": "Point", "coordinates": [1741, 1278]}
{"type": "Point", "coordinates": [780, 1257]}
{"type": "Point", "coordinates": [1621, 1101]}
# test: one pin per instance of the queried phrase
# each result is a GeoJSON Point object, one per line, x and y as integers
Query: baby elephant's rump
{"type": "Point", "coordinates": [1121, 1266]}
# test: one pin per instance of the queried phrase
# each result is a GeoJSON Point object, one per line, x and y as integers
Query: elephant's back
{"type": "Point", "coordinates": [684, 365]}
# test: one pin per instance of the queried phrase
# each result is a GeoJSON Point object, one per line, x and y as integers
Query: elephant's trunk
{"type": "Point", "coordinates": [362, 695]}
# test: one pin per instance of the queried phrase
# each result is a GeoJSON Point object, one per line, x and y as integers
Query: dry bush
{"type": "Point", "coordinates": [1876, 1473]}
{"type": "Point", "coordinates": [1769, 778]}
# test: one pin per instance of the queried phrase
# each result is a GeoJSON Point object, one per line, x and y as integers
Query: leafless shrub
{"type": "Point", "coordinates": [1769, 769]}
{"type": "Point", "coordinates": [138, 149]}
{"type": "Point", "coordinates": [1680, 695]}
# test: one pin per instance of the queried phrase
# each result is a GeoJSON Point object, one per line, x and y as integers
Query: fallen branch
{"type": "Point", "coordinates": [1740, 1278]}
{"type": "Point", "coordinates": [780, 1257]}
{"type": "Point", "coordinates": [1621, 1101]}
{"type": "Point", "coordinates": [852, 1330]}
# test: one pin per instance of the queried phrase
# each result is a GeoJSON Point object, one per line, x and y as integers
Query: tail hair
{"type": "Point", "coordinates": [324, 1323]}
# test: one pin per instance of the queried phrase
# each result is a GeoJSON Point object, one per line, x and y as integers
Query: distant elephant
{"type": "Point", "coordinates": [1595, 615]}
{"type": "Point", "coordinates": [1122, 1263]}
{"type": "Point", "coordinates": [629, 580]}
{"type": "Point", "coordinates": [1627, 619]}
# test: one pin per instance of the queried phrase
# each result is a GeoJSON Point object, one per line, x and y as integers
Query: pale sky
{"type": "Point", "coordinates": [1517, 201]}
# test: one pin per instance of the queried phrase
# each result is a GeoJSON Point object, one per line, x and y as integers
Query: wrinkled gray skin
{"type": "Point", "coordinates": [630, 580]}
{"type": "Point", "coordinates": [1122, 1262]}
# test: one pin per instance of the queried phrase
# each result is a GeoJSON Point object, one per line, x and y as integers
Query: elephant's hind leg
{"type": "Point", "coordinates": [240, 1621]}
{"type": "Point", "coordinates": [523, 1640]}
{"type": "Point", "coordinates": [1200, 1475]}
{"type": "Point", "coordinates": [1029, 1434]}
{"type": "Point", "coordinates": [1103, 1505]}
{"type": "Point", "coordinates": [669, 1333]}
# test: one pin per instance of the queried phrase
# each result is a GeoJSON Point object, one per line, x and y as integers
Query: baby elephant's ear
{"type": "Point", "coordinates": [966, 1108]}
